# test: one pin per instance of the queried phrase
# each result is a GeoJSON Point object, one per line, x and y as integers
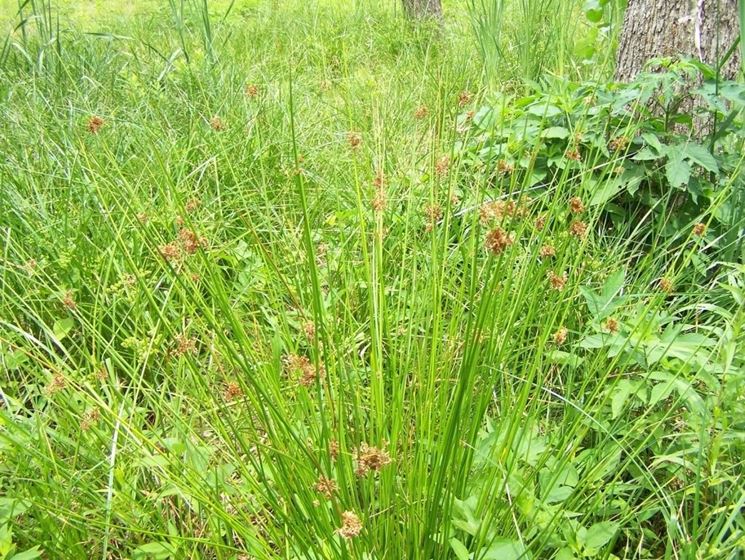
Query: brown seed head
{"type": "Point", "coordinates": [666, 285]}
{"type": "Point", "coordinates": [69, 301]}
{"type": "Point", "coordinates": [611, 325]}
{"type": "Point", "coordinates": [89, 419]}
{"type": "Point", "coordinates": [442, 165]}
{"type": "Point", "coordinates": [232, 391]}
{"type": "Point", "coordinates": [575, 205]}
{"type": "Point", "coordinates": [556, 281]}
{"type": "Point", "coordinates": [618, 144]}
{"type": "Point", "coordinates": [371, 459]}
{"type": "Point", "coordinates": [192, 204]}
{"type": "Point", "coordinates": [354, 139]}
{"type": "Point", "coordinates": [170, 251]}
{"type": "Point", "coordinates": [578, 228]}
{"type": "Point", "coordinates": [464, 98]}
{"type": "Point", "coordinates": [540, 222]}
{"type": "Point", "coordinates": [217, 124]}
{"type": "Point", "coordinates": [573, 155]}
{"type": "Point", "coordinates": [699, 229]}
{"type": "Point", "coordinates": [309, 328]}
{"type": "Point", "coordinates": [560, 336]}
{"type": "Point", "coordinates": [57, 383]}
{"type": "Point", "coordinates": [547, 251]}
{"type": "Point", "coordinates": [326, 486]}
{"type": "Point", "coordinates": [421, 112]}
{"type": "Point", "coordinates": [94, 124]}
{"type": "Point", "coordinates": [497, 240]}
{"type": "Point", "coordinates": [351, 526]}
{"type": "Point", "coordinates": [252, 90]}
{"type": "Point", "coordinates": [184, 344]}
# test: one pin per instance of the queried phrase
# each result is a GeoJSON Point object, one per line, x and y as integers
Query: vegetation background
{"type": "Point", "coordinates": [307, 280]}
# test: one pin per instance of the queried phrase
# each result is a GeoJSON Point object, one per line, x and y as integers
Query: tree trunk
{"type": "Point", "coordinates": [423, 8]}
{"type": "Point", "coordinates": [700, 29]}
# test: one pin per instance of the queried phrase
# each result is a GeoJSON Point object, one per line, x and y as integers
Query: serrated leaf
{"type": "Point", "coordinates": [677, 171]}
{"type": "Point", "coordinates": [700, 155]}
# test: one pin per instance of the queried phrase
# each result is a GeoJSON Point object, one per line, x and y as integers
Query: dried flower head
{"type": "Point", "coordinates": [540, 222]}
{"type": "Point", "coordinates": [573, 154]}
{"type": "Point", "coordinates": [699, 229]}
{"type": "Point", "coordinates": [326, 486]}
{"type": "Point", "coordinates": [421, 112]}
{"type": "Point", "coordinates": [578, 228]}
{"type": "Point", "coordinates": [184, 344]}
{"type": "Point", "coordinates": [575, 205]}
{"type": "Point", "coordinates": [464, 98]}
{"type": "Point", "coordinates": [232, 391]}
{"type": "Point", "coordinates": [379, 200]}
{"type": "Point", "coordinates": [666, 285]}
{"type": "Point", "coordinates": [611, 325]}
{"type": "Point", "coordinates": [302, 368]}
{"type": "Point", "coordinates": [90, 418]}
{"type": "Point", "coordinates": [547, 251]}
{"type": "Point", "coordinates": [560, 336]}
{"type": "Point", "coordinates": [556, 281]}
{"type": "Point", "coordinates": [504, 167]}
{"type": "Point", "coordinates": [192, 204]}
{"type": "Point", "coordinates": [370, 459]}
{"type": "Point", "coordinates": [498, 209]}
{"type": "Point", "coordinates": [309, 328]}
{"type": "Point", "coordinates": [57, 383]}
{"type": "Point", "coordinates": [334, 449]}
{"type": "Point", "coordinates": [433, 213]}
{"type": "Point", "coordinates": [618, 144]}
{"type": "Point", "coordinates": [351, 526]}
{"type": "Point", "coordinates": [94, 124]}
{"type": "Point", "coordinates": [497, 240]}
{"type": "Point", "coordinates": [217, 123]}
{"type": "Point", "coordinates": [190, 241]}
{"type": "Point", "coordinates": [170, 251]}
{"type": "Point", "coordinates": [354, 139]}
{"type": "Point", "coordinates": [69, 301]}
{"type": "Point", "coordinates": [252, 90]}
{"type": "Point", "coordinates": [442, 165]}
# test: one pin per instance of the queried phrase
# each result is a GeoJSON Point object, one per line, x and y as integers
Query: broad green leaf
{"type": "Point", "coordinates": [600, 534]}
{"type": "Point", "coordinates": [555, 132]}
{"type": "Point", "coordinates": [505, 549]}
{"type": "Point", "coordinates": [544, 109]}
{"type": "Point", "coordinates": [29, 554]}
{"type": "Point", "coordinates": [677, 171]}
{"type": "Point", "coordinates": [606, 191]}
{"type": "Point", "coordinates": [613, 284]}
{"type": "Point", "coordinates": [461, 552]}
{"type": "Point", "coordinates": [62, 327]}
{"type": "Point", "coordinates": [698, 154]}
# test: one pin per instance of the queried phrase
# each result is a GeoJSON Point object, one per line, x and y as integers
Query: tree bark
{"type": "Point", "coordinates": [420, 9]}
{"type": "Point", "coordinates": [700, 29]}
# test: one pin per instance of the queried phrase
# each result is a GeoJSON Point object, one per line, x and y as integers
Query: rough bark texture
{"type": "Point", "coordinates": [658, 28]}
{"type": "Point", "coordinates": [423, 8]}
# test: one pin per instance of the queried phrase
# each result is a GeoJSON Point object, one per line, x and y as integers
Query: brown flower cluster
{"type": "Point", "coordinates": [433, 213]}
{"type": "Point", "coordinates": [252, 90]}
{"type": "Point", "coordinates": [217, 124]}
{"type": "Point", "coordinates": [90, 418]}
{"type": "Point", "coordinates": [184, 344]}
{"type": "Point", "coordinates": [95, 123]}
{"type": "Point", "coordinates": [560, 336]}
{"type": "Point", "coordinates": [497, 240]}
{"type": "Point", "coordinates": [499, 209]}
{"type": "Point", "coordinates": [188, 243]}
{"type": "Point", "coordinates": [57, 383]}
{"type": "Point", "coordinates": [354, 139]}
{"type": "Point", "coordinates": [578, 228]}
{"type": "Point", "coordinates": [232, 391]}
{"type": "Point", "coordinates": [303, 368]}
{"type": "Point", "coordinates": [421, 112]}
{"type": "Point", "coordinates": [699, 229]}
{"type": "Point", "coordinates": [666, 285]}
{"type": "Point", "coordinates": [464, 98]}
{"type": "Point", "coordinates": [611, 325]}
{"type": "Point", "coordinates": [575, 205]}
{"type": "Point", "coordinates": [442, 165]}
{"type": "Point", "coordinates": [69, 301]}
{"type": "Point", "coordinates": [351, 526]}
{"type": "Point", "coordinates": [326, 486]}
{"type": "Point", "coordinates": [379, 201]}
{"type": "Point", "coordinates": [504, 167]}
{"type": "Point", "coordinates": [618, 144]}
{"type": "Point", "coordinates": [370, 458]}
{"type": "Point", "coordinates": [557, 281]}
{"type": "Point", "coordinates": [547, 251]}
{"type": "Point", "coordinates": [573, 154]}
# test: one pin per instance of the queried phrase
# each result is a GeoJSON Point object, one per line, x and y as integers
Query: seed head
{"type": "Point", "coordinates": [217, 124]}
{"type": "Point", "coordinates": [504, 167]}
{"type": "Point", "coordinates": [69, 301]}
{"type": "Point", "coordinates": [540, 222]}
{"type": "Point", "coordinates": [497, 240]}
{"type": "Point", "coordinates": [192, 204]}
{"type": "Point", "coordinates": [170, 251]}
{"type": "Point", "coordinates": [326, 486]}
{"type": "Point", "coordinates": [560, 336]}
{"type": "Point", "coordinates": [351, 526]}
{"type": "Point", "coordinates": [421, 112]}
{"type": "Point", "coordinates": [575, 205]}
{"type": "Point", "coordinates": [556, 281]}
{"type": "Point", "coordinates": [371, 459]}
{"type": "Point", "coordinates": [547, 251]}
{"type": "Point", "coordinates": [309, 327]}
{"type": "Point", "coordinates": [464, 98]}
{"type": "Point", "coordinates": [573, 154]}
{"type": "Point", "coordinates": [95, 123]}
{"type": "Point", "coordinates": [252, 90]}
{"type": "Point", "coordinates": [666, 285]}
{"type": "Point", "coordinates": [354, 139]}
{"type": "Point", "coordinates": [611, 325]}
{"type": "Point", "coordinates": [57, 383]}
{"type": "Point", "coordinates": [442, 165]}
{"type": "Point", "coordinates": [699, 229]}
{"type": "Point", "coordinates": [578, 228]}
{"type": "Point", "coordinates": [232, 391]}
{"type": "Point", "coordinates": [89, 419]}
{"type": "Point", "coordinates": [618, 144]}
{"type": "Point", "coordinates": [184, 344]}
{"type": "Point", "coordinates": [334, 449]}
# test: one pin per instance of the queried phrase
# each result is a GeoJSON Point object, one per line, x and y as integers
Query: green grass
{"type": "Point", "coordinates": [150, 409]}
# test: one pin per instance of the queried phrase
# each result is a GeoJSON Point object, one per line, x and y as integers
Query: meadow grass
{"type": "Point", "coordinates": [253, 306]}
